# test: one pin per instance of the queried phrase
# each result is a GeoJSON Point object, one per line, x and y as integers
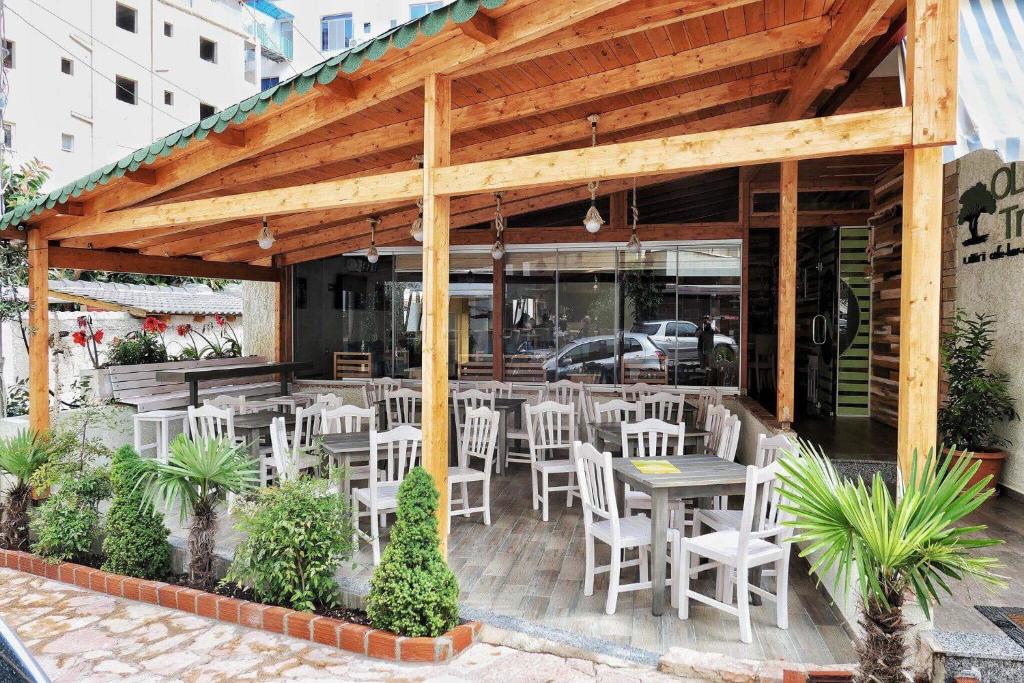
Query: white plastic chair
{"type": "Point", "coordinates": [613, 411]}
{"type": "Point", "coordinates": [288, 461]}
{"type": "Point", "coordinates": [760, 540]}
{"type": "Point", "coordinates": [404, 407]}
{"type": "Point", "coordinates": [601, 522]}
{"type": "Point", "coordinates": [400, 449]}
{"type": "Point", "coordinates": [210, 422]}
{"type": "Point", "coordinates": [479, 440]}
{"type": "Point", "coordinates": [663, 406]}
{"type": "Point", "coordinates": [465, 401]}
{"type": "Point", "coordinates": [551, 430]}
{"type": "Point", "coordinates": [650, 438]}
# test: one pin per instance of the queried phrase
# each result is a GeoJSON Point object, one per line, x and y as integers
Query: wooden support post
{"type": "Point", "coordinates": [498, 320]}
{"type": "Point", "coordinates": [785, 382]}
{"type": "Point", "coordinates": [283, 307]}
{"type": "Point", "coordinates": [618, 211]}
{"type": "Point", "coordinates": [746, 173]}
{"type": "Point", "coordinates": [437, 142]}
{"type": "Point", "coordinates": [39, 333]}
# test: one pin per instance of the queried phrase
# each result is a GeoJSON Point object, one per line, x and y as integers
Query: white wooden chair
{"type": "Point", "coordinates": [760, 540]}
{"type": "Point", "coordinates": [210, 422]}
{"type": "Point", "coordinates": [517, 436]}
{"type": "Point", "coordinates": [650, 438]}
{"type": "Point", "coordinates": [706, 398]}
{"type": "Point", "coordinates": [613, 411]}
{"type": "Point", "coordinates": [479, 440]}
{"type": "Point", "coordinates": [346, 420]}
{"type": "Point", "coordinates": [288, 461]}
{"type": "Point", "coordinates": [307, 427]}
{"type": "Point", "coordinates": [663, 406]}
{"type": "Point", "coordinates": [713, 426]}
{"type": "Point", "coordinates": [498, 389]}
{"type": "Point", "coordinates": [404, 407]}
{"type": "Point", "coordinates": [379, 387]}
{"type": "Point", "coordinates": [634, 392]}
{"type": "Point", "coordinates": [601, 522]}
{"type": "Point", "coordinates": [400, 449]}
{"type": "Point", "coordinates": [564, 392]}
{"type": "Point", "coordinates": [331, 400]}
{"type": "Point", "coordinates": [551, 430]}
{"type": "Point", "coordinates": [465, 401]}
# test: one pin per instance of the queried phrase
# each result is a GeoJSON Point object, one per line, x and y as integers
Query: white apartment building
{"type": "Point", "coordinates": [93, 80]}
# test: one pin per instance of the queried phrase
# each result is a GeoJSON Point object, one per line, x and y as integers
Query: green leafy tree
{"type": "Point", "coordinates": [135, 543]}
{"type": "Point", "coordinates": [978, 398]}
{"type": "Point", "coordinates": [68, 523]}
{"type": "Point", "coordinates": [974, 202]}
{"type": "Point", "coordinates": [413, 592]}
{"type": "Point", "coordinates": [197, 477]}
{"type": "Point", "coordinates": [890, 547]}
{"type": "Point", "coordinates": [296, 536]}
{"type": "Point", "coordinates": [20, 456]}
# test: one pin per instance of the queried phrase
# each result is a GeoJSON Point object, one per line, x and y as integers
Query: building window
{"type": "Point", "coordinates": [168, 98]}
{"type": "Point", "coordinates": [8, 135]}
{"type": "Point", "coordinates": [125, 17]}
{"type": "Point", "coordinates": [206, 110]}
{"type": "Point", "coordinates": [367, 27]}
{"type": "Point", "coordinates": [418, 9]}
{"type": "Point", "coordinates": [394, 23]}
{"type": "Point", "coordinates": [168, 29]}
{"type": "Point", "coordinates": [125, 89]}
{"type": "Point", "coordinates": [270, 82]}
{"type": "Point", "coordinates": [8, 54]}
{"type": "Point", "coordinates": [67, 66]}
{"type": "Point", "coordinates": [207, 50]}
{"type": "Point", "coordinates": [335, 32]}
{"type": "Point", "coordinates": [67, 142]}
{"type": "Point", "coordinates": [250, 63]}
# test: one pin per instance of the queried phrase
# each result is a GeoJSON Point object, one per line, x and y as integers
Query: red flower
{"type": "Point", "coordinates": [153, 324]}
{"type": "Point", "coordinates": [83, 321]}
{"type": "Point", "coordinates": [161, 326]}
{"type": "Point", "coordinates": [183, 330]}
{"type": "Point", "coordinates": [219, 319]}
{"type": "Point", "coordinates": [78, 338]}
{"type": "Point", "coordinates": [98, 336]}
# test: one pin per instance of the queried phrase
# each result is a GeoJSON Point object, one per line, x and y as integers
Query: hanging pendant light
{"type": "Point", "coordinates": [498, 250]}
{"type": "Point", "coordinates": [265, 240]}
{"type": "Point", "coordinates": [634, 240]}
{"type": "Point", "coordinates": [416, 230]}
{"type": "Point", "coordinates": [371, 254]}
{"type": "Point", "coordinates": [593, 220]}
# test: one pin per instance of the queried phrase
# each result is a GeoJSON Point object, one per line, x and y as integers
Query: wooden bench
{"type": "Point", "coordinates": [352, 365]}
{"type": "Point", "coordinates": [634, 371]}
{"type": "Point", "coordinates": [136, 385]}
{"type": "Point", "coordinates": [524, 368]}
{"type": "Point", "coordinates": [479, 366]}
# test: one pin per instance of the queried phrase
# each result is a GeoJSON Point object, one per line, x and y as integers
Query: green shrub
{"type": "Point", "coordinates": [296, 536]}
{"type": "Point", "coordinates": [136, 541]}
{"type": "Point", "coordinates": [137, 348]}
{"type": "Point", "coordinates": [68, 523]}
{"type": "Point", "coordinates": [413, 592]}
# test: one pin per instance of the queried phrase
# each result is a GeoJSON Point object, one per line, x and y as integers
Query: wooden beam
{"type": "Point", "coordinates": [70, 209]}
{"type": "Point", "coordinates": [882, 48]}
{"type": "Point", "coordinates": [437, 148]}
{"type": "Point", "coordinates": [97, 304]}
{"type": "Point", "coordinates": [518, 27]}
{"type": "Point", "coordinates": [933, 34]}
{"type": "Point", "coordinates": [229, 137]}
{"type": "Point", "coordinates": [853, 22]}
{"type": "Point", "coordinates": [862, 133]}
{"type": "Point", "coordinates": [141, 176]}
{"type": "Point", "coordinates": [480, 28]}
{"type": "Point", "coordinates": [786, 382]}
{"type": "Point", "coordinates": [618, 210]}
{"type": "Point", "coordinates": [744, 215]}
{"type": "Point", "coordinates": [39, 333]}
{"type": "Point", "coordinates": [11, 234]}
{"type": "Point", "coordinates": [812, 219]}
{"type": "Point", "coordinates": [126, 262]}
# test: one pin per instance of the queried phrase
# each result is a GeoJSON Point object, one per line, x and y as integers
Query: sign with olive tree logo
{"type": "Point", "coordinates": [999, 199]}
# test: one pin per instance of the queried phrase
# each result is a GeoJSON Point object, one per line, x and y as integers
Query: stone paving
{"type": "Point", "coordinates": [78, 635]}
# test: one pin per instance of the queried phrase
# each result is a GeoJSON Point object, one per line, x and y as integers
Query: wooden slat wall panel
{"type": "Point", "coordinates": [886, 244]}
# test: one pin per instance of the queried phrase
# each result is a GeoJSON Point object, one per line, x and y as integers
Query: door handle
{"type": "Point", "coordinates": [815, 338]}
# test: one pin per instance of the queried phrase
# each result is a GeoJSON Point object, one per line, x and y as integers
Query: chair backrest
{"type": "Point", "coordinates": [565, 392]}
{"type": "Point", "coordinates": [347, 419]}
{"type": "Point", "coordinates": [465, 401]}
{"type": "Point", "coordinates": [404, 407]}
{"type": "Point", "coordinates": [729, 438]}
{"type": "Point", "coordinates": [401, 447]}
{"type": "Point", "coordinates": [307, 427]}
{"type": "Point", "coordinates": [479, 437]}
{"type": "Point", "coordinates": [769, 449]}
{"type": "Point", "coordinates": [498, 389]}
{"type": "Point", "coordinates": [713, 426]}
{"type": "Point", "coordinates": [476, 366]}
{"type": "Point", "coordinates": [331, 400]}
{"type": "Point", "coordinates": [550, 428]}
{"type": "Point", "coordinates": [706, 398]}
{"type": "Point", "coordinates": [616, 410]}
{"type": "Point", "coordinates": [652, 438]}
{"type": "Point", "coordinates": [235, 403]}
{"type": "Point", "coordinates": [379, 387]}
{"type": "Point", "coordinates": [597, 485]}
{"type": "Point", "coordinates": [211, 422]}
{"type": "Point", "coordinates": [634, 392]}
{"type": "Point", "coordinates": [762, 515]}
{"type": "Point", "coordinates": [663, 406]}
{"type": "Point", "coordinates": [282, 453]}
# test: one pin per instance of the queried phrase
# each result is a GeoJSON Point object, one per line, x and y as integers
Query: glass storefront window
{"type": "Point", "coordinates": [709, 298]}
{"type": "Point", "coordinates": [647, 302]}
{"type": "Point", "coordinates": [586, 320]}
{"type": "Point", "coordinates": [529, 336]}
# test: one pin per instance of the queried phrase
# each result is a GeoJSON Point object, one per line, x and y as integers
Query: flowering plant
{"type": "Point", "coordinates": [215, 345]}
{"type": "Point", "coordinates": [89, 338]}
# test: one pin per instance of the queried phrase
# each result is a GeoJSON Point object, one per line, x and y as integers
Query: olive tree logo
{"type": "Point", "coordinates": [975, 201]}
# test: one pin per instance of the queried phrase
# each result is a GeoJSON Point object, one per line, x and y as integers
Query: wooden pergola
{"type": "Point", "coordinates": [486, 96]}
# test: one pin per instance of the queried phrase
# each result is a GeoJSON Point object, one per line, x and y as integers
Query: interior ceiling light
{"type": "Point", "coordinates": [265, 240]}
{"type": "Point", "coordinates": [498, 250]}
{"type": "Point", "coordinates": [634, 240]}
{"type": "Point", "coordinates": [371, 254]}
{"type": "Point", "coordinates": [593, 221]}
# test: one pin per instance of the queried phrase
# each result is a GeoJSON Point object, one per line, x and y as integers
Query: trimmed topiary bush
{"type": "Point", "coordinates": [136, 541]}
{"type": "Point", "coordinates": [68, 523]}
{"type": "Point", "coordinates": [413, 592]}
{"type": "Point", "coordinates": [296, 536]}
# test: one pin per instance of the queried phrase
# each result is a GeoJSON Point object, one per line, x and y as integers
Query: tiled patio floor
{"type": "Point", "coordinates": [525, 568]}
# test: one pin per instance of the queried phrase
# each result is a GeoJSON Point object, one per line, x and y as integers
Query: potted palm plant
{"type": "Point", "coordinates": [978, 398]}
{"type": "Point", "coordinates": [894, 550]}
{"type": "Point", "coordinates": [20, 456]}
{"type": "Point", "coordinates": [197, 477]}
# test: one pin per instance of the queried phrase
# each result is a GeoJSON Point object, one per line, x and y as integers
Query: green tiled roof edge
{"type": "Point", "coordinates": [349, 62]}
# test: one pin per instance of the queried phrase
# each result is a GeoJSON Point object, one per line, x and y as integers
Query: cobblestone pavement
{"type": "Point", "coordinates": [78, 635]}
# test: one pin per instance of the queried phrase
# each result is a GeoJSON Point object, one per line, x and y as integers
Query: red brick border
{"type": "Point", "coordinates": [361, 640]}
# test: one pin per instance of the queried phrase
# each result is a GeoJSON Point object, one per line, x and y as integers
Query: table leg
{"type": "Point", "coordinates": [659, 543]}
{"type": "Point", "coordinates": [193, 393]}
{"type": "Point", "coordinates": [502, 441]}
{"type": "Point", "coordinates": [284, 383]}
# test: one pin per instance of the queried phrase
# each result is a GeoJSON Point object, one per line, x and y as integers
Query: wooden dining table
{"type": "Point", "coordinates": [608, 436]}
{"type": "Point", "coordinates": [345, 451]}
{"type": "Point", "coordinates": [193, 376]}
{"type": "Point", "coordinates": [699, 476]}
{"type": "Point", "coordinates": [252, 427]}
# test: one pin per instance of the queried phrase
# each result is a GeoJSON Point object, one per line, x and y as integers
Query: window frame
{"type": "Point", "coordinates": [203, 41]}
{"type": "Point", "coordinates": [213, 110]}
{"type": "Point", "coordinates": [9, 61]}
{"type": "Point", "coordinates": [118, 88]}
{"type": "Point", "coordinates": [427, 8]}
{"type": "Point", "coordinates": [168, 29]}
{"type": "Point", "coordinates": [342, 19]}
{"type": "Point", "coordinates": [7, 135]}
{"type": "Point", "coordinates": [118, 7]}
{"type": "Point", "coordinates": [168, 98]}
{"type": "Point", "coordinates": [64, 137]}
{"type": "Point", "coordinates": [70, 64]}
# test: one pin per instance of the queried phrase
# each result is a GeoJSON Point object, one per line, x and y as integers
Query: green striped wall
{"type": "Point", "coordinates": [854, 364]}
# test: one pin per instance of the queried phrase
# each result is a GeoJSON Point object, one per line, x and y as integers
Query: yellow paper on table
{"type": "Point", "coordinates": [655, 467]}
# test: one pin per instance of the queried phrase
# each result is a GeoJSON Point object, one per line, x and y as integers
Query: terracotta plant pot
{"type": "Point", "coordinates": [991, 463]}
{"type": "Point", "coordinates": [817, 676]}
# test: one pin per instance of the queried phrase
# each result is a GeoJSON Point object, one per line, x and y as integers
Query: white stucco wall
{"type": "Point", "coordinates": [993, 286]}
{"type": "Point", "coordinates": [259, 308]}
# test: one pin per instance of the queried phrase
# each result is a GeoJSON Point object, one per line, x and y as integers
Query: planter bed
{"type": "Point", "coordinates": [357, 638]}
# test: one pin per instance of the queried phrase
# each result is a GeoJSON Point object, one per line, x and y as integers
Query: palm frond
{"type": "Point", "coordinates": [23, 453]}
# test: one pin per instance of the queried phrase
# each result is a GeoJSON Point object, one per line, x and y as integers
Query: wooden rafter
{"type": "Point", "coordinates": [127, 262]}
